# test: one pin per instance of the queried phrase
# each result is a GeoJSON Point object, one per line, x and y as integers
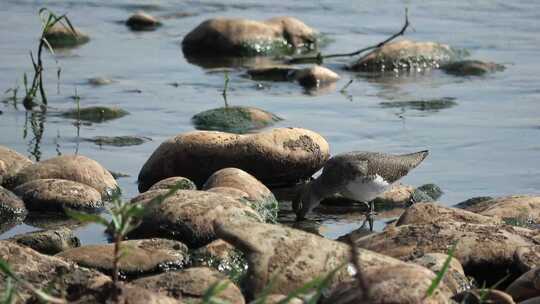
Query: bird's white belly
{"type": "Point", "coordinates": [364, 190]}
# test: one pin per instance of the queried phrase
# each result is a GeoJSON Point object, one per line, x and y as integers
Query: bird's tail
{"type": "Point", "coordinates": [414, 159]}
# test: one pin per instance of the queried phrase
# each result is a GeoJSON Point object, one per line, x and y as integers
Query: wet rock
{"type": "Point", "coordinates": [141, 21]}
{"type": "Point", "coordinates": [527, 258]}
{"type": "Point", "coordinates": [517, 210]}
{"type": "Point", "coordinates": [432, 190]}
{"type": "Point", "coordinates": [10, 163]}
{"type": "Point", "coordinates": [234, 119]}
{"type": "Point", "coordinates": [142, 256]}
{"type": "Point", "coordinates": [48, 241]}
{"type": "Point", "coordinates": [119, 141]}
{"type": "Point", "coordinates": [432, 213]}
{"type": "Point", "coordinates": [11, 207]}
{"type": "Point", "coordinates": [479, 296]}
{"type": "Point", "coordinates": [190, 285]}
{"type": "Point", "coordinates": [399, 195]}
{"type": "Point", "coordinates": [187, 215]}
{"type": "Point", "coordinates": [52, 221]}
{"type": "Point", "coordinates": [55, 275]}
{"type": "Point", "coordinates": [100, 81]}
{"type": "Point", "coordinates": [243, 37]}
{"type": "Point", "coordinates": [407, 55]}
{"type": "Point", "coordinates": [122, 293]}
{"type": "Point", "coordinates": [431, 105]}
{"type": "Point", "coordinates": [454, 277]}
{"type": "Point", "coordinates": [485, 250]}
{"type": "Point", "coordinates": [471, 68]}
{"type": "Point", "coordinates": [168, 183]}
{"type": "Point", "coordinates": [96, 114]}
{"type": "Point", "coordinates": [279, 156]}
{"type": "Point", "coordinates": [61, 36]}
{"type": "Point", "coordinates": [315, 76]}
{"type": "Point", "coordinates": [473, 201]}
{"type": "Point", "coordinates": [526, 286]}
{"type": "Point", "coordinates": [259, 196]}
{"type": "Point", "coordinates": [55, 195]}
{"type": "Point", "coordinates": [290, 258]}
{"type": "Point", "coordinates": [405, 283]}
{"type": "Point", "coordinates": [75, 168]}
{"type": "Point", "coordinates": [221, 256]}
{"type": "Point", "coordinates": [277, 298]}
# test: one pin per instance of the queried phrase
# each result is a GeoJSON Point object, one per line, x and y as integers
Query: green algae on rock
{"type": "Point", "coordinates": [175, 181]}
{"type": "Point", "coordinates": [61, 36]}
{"type": "Point", "coordinates": [471, 68]}
{"type": "Point", "coordinates": [223, 257]}
{"type": "Point", "coordinates": [432, 105]}
{"type": "Point", "coordinates": [407, 55]}
{"type": "Point", "coordinates": [96, 114]}
{"type": "Point", "coordinates": [235, 119]}
{"type": "Point", "coordinates": [119, 141]}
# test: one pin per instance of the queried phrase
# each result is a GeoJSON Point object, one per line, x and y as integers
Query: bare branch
{"type": "Point", "coordinates": [319, 58]}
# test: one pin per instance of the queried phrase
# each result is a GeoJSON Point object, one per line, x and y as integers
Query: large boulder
{"type": "Point", "coordinates": [10, 163]}
{"type": "Point", "coordinates": [277, 157]}
{"type": "Point", "coordinates": [454, 278]}
{"type": "Point", "coordinates": [55, 195]}
{"type": "Point", "coordinates": [258, 196]}
{"type": "Point", "coordinates": [527, 258]}
{"type": "Point", "coordinates": [485, 250]}
{"type": "Point", "coordinates": [521, 210]}
{"type": "Point", "coordinates": [55, 275]}
{"type": "Point", "coordinates": [11, 207]}
{"type": "Point", "coordinates": [235, 119]}
{"type": "Point", "coordinates": [406, 55]}
{"type": "Point", "coordinates": [431, 213]}
{"type": "Point", "coordinates": [190, 285]}
{"type": "Point", "coordinates": [75, 168]}
{"type": "Point", "coordinates": [142, 257]}
{"type": "Point", "coordinates": [48, 241]}
{"type": "Point", "coordinates": [244, 37]}
{"type": "Point", "coordinates": [284, 259]}
{"type": "Point", "coordinates": [187, 215]}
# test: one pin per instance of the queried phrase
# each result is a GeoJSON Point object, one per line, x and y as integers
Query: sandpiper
{"type": "Point", "coordinates": [357, 175]}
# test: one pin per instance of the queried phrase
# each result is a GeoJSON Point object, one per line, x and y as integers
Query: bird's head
{"type": "Point", "coordinates": [304, 201]}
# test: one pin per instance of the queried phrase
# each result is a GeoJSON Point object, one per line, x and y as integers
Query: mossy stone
{"type": "Point", "coordinates": [96, 114]}
{"type": "Point", "coordinates": [432, 190]}
{"type": "Point", "coordinates": [234, 119]}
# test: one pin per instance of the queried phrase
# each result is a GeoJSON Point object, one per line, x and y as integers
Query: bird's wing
{"type": "Point", "coordinates": [342, 168]}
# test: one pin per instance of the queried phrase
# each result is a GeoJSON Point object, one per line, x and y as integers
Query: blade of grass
{"type": "Point", "coordinates": [440, 274]}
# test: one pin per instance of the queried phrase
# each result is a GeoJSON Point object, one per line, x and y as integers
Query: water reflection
{"type": "Point", "coordinates": [36, 120]}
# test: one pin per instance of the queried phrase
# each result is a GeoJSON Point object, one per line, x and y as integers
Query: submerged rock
{"type": "Point", "coordinates": [234, 119]}
{"type": "Point", "coordinates": [407, 55]}
{"type": "Point", "coordinates": [221, 256]}
{"type": "Point", "coordinates": [100, 81]}
{"type": "Point", "coordinates": [142, 256]}
{"type": "Point", "coordinates": [472, 201]}
{"type": "Point", "coordinates": [259, 197]}
{"type": "Point", "coordinates": [58, 277]}
{"type": "Point", "coordinates": [141, 21]}
{"type": "Point", "coordinates": [284, 259]}
{"type": "Point", "coordinates": [432, 190]}
{"type": "Point", "coordinates": [281, 156]}
{"type": "Point", "coordinates": [96, 114]}
{"type": "Point", "coordinates": [433, 213]}
{"type": "Point", "coordinates": [10, 163]}
{"type": "Point", "coordinates": [48, 241]}
{"type": "Point", "coordinates": [75, 168]}
{"type": "Point", "coordinates": [190, 285]}
{"type": "Point", "coordinates": [432, 105]}
{"type": "Point", "coordinates": [187, 215]}
{"type": "Point", "coordinates": [175, 181]}
{"type": "Point", "coordinates": [517, 210]}
{"type": "Point", "coordinates": [119, 141]}
{"type": "Point", "coordinates": [471, 68]}
{"type": "Point", "coordinates": [62, 36]}
{"type": "Point", "coordinates": [12, 208]}
{"type": "Point", "coordinates": [526, 286]}
{"type": "Point", "coordinates": [485, 250]}
{"type": "Point", "coordinates": [314, 76]}
{"type": "Point", "coordinates": [243, 37]}
{"type": "Point", "coordinates": [55, 195]}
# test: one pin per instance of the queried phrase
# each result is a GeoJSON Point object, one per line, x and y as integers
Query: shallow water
{"type": "Point", "coordinates": [485, 145]}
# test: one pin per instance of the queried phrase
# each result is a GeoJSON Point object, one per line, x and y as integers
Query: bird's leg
{"type": "Point", "coordinates": [370, 215]}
